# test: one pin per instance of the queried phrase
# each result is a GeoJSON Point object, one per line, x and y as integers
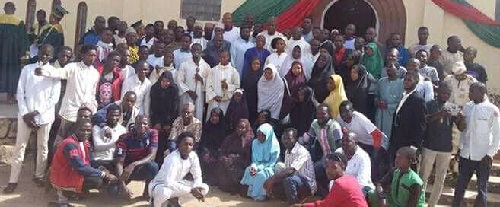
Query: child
{"type": "Point", "coordinates": [156, 59]}
{"type": "Point", "coordinates": [278, 57]}
{"type": "Point", "coordinates": [168, 65]}
{"type": "Point", "coordinates": [474, 69]}
{"type": "Point", "coordinates": [405, 185]}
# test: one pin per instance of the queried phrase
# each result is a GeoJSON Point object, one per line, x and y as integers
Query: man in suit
{"type": "Point", "coordinates": [408, 125]}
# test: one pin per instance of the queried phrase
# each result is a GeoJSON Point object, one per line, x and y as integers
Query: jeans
{"type": "Point", "coordinates": [466, 168]}
{"type": "Point", "coordinates": [292, 189]}
{"type": "Point", "coordinates": [146, 171]}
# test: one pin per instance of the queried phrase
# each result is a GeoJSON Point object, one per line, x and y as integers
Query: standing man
{"type": "Point", "coordinates": [423, 36]}
{"type": "Point", "coordinates": [92, 36]}
{"type": "Point", "coordinates": [478, 144]}
{"type": "Point", "coordinates": [408, 126]}
{"type": "Point", "coordinates": [307, 25]}
{"type": "Point", "coordinates": [271, 33]}
{"type": "Point", "coordinates": [452, 54]}
{"type": "Point", "coordinates": [37, 97]}
{"type": "Point", "coordinates": [350, 30]}
{"type": "Point", "coordinates": [239, 47]}
{"type": "Point", "coordinates": [231, 33]}
{"type": "Point", "coordinates": [13, 45]}
{"type": "Point", "coordinates": [53, 33]}
{"type": "Point", "coordinates": [82, 79]}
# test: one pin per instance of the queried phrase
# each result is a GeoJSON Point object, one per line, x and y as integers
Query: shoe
{"type": "Point", "coordinates": [39, 182]}
{"type": "Point", "coordinates": [11, 187]}
{"type": "Point", "coordinates": [56, 204]}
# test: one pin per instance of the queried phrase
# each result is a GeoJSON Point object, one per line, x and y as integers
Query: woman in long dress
{"type": "Point", "coordinates": [337, 94]}
{"type": "Point", "coordinates": [320, 75]}
{"type": "Point", "coordinates": [270, 91]}
{"type": "Point", "coordinates": [265, 154]}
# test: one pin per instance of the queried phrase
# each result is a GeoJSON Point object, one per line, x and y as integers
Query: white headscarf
{"type": "Point", "coordinates": [458, 68]}
{"type": "Point", "coordinates": [270, 92]}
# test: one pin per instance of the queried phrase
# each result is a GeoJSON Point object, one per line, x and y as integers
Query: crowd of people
{"type": "Point", "coordinates": [253, 111]}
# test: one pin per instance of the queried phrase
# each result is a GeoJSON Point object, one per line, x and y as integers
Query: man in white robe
{"type": "Point", "coordinates": [239, 47]}
{"type": "Point", "coordinates": [169, 187]}
{"type": "Point", "coordinates": [183, 54]}
{"type": "Point", "coordinates": [297, 39]}
{"type": "Point", "coordinates": [271, 33]}
{"type": "Point", "coordinates": [191, 79]}
{"type": "Point", "coordinates": [141, 85]}
{"type": "Point", "coordinates": [231, 33]}
{"type": "Point", "coordinates": [222, 80]}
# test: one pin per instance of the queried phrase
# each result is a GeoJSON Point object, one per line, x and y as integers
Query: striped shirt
{"type": "Point", "coordinates": [300, 159]}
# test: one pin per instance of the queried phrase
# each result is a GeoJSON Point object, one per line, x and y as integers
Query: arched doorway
{"type": "Point", "coordinates": [390, 14]}
{"type": "Point", "coordinates": [344, 12]}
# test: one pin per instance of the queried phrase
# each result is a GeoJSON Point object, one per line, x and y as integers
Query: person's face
{"type": "Point", "coordinates": [317, 34]}
{"type": "Point", "coordinates": [359, 43]}
{"type": "Point", "coordinates": [208, 29]}
{"type": "Point", "coordinates": [165, 83]}
{"type": "Point", "coordinates": [338, 42]}
{"type": "Point", "coordinates": [392, 70]}
{"type": "Point", "coordinates": [268, 74]}
{"type": "Point", "coordinates": [186, 147]}
{"type": "Point", "coordinates": [186, 42]}
{"type": "Point", "coordinates": [89, 57]}
{"type": "Point", "coordinates": [227, 20]}
{"type": "Point", "coordinates": [350, 30]}
{"type": "Point", "coordinates": [114, 61]}
{"type": "Point", "coordinates": [64, 57]}
{"type": "Point", "coordinates": [237, 96]}
{"type": "Point", "coordinates": [214, 117]}
{"type": "Point", "coordinates": [122, 26]}
{"type": "Point", "coordinates": [143, 53]}
{"type": "Point", "coordinates": [368, 51]}
{"type": "Point", "coordinates": [315, 46]}
{"type": "Point", "coordinates": [271, 27]}
{"type": "Point", "coordinates": [296, 69]}
{"type": "Point", "coordinates": [435, 53]}
{"type": "Point", "coordinates": [321, 62]}
{"type": "Point", "coordinates": [218, 41]}
{"type": "Point", "coordinates": [346, 113]}
{"type": "Point", "coordinates": [159, 26]}
{"type": "Point", "coordinates": [84, 132]}
{"type": "Point", "coordinates": [392, 56]}
{"type": "Point", "coordinates": [150, 31]}
{"type": "Point", "coordinates": [395, 40]}
{"type": "Point", "coordinates": [245, 33]}
{"type": "Point", "coordinates": [288, 139]}
{"type": "Point", "coordinates": [224, 58]}
{"type": "Point", "coordinates": [249, 20]}
{"type": "Point", "coordinates": [159, 49]}
{"type": "Point", "coordinates": [354, 75]}
{"type": "Point", "coordinates": [296, 33]}
{"type": "Point", "coordinates": [307, 24]}
{"type": "Point", "coordinates": [409, 83]}
{"type": "Point", "coordinates": [287, 33]}
{"type": "Point", "coordinates": [142, 70]}
{"type": "Point", "coordinates": [168, 59]}
{"type": "Point", "coordinates": [455, 44]}
{"type": "Point", "coordinates": [187, 114]}
{"type": "Point", "coordinates": [422, 57]}
{"type": "Point", "coordinates": [333, 169]}
{"type": "Point", "coordinates": [322, 115]}
{"type": "Point", "coordinates": [476, 95]}
{"type": "Point", "coordinates": [198, 32]}
{"type": "Point", "coordinates": [172, 25]}
{"type": "Point", "coordinates": [469, 56]}
{"type": "Point", "coordinates": [125, 60]}
{"type": "Point", "coordinates": [179, 31]}
{"type": "Point", "coordinates": [423, 34]}
{"type": "Point", "coordinates": [296, 53]}
{"type": "Point", "coordinates": [141, 125]}
{"type": "Point", "coordinates": [260, 42]}
{"type": "Point", "coordinates": [241, 129]}
{"type": "Point", "coordinates": [413, 65]}
{"type": "Point", "coordinates": [9, 8]}
{"type": "Point", "coordinates": [444, 95]}
{"type": "Point", "coordinates": [348, 143]}
{"type": "Point", "coordinates": [325, 34]}
{"type": "Point", "coordinates": [113, 117]}
{"type": "Point", "coordinates": [261, 136]}
{"type": "Point", "coordinates": [131, 38]}
{"type": "Point", "coordinates": [401, 161]}
{"type": "Point", "coordinates": [370, 35]}
{"type": "Point", "coordinates": [84, 114]}
{"type": "Point", "coordinates": [330, 85]}
{"type": "Point", "coordinates": [190, 23]}
{"type": "Point", "coordinates": [41, 16]}
{"type": "Point", "coordinates": [255, 65]}
{"type": "Point", "coordinates": [196, 50]}
{"type": "Point", "coordinates": [280, 45]}
{"type": "Point", "coordinates": [46, 55]}
{"type": "Point", "coordinates": [107, 36]}
{"type": "Point", "coordinates": [218, 31]}
{"type": "Point", "coordinates": [129, 102]}
{"type": "Point", "coordinates": [169, 36]}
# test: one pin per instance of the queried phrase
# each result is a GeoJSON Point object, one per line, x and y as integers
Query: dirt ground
{"type": "Point", "coordinates": [28, 194]}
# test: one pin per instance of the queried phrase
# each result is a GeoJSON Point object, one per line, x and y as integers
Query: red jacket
{"type": "Point", "coordinates": [70, 165]}
{"type": "Point", "coordinates": [345, 192]}
{"type": "Point", "coordinates": [116, 83]}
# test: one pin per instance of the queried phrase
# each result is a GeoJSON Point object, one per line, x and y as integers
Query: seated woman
{"type": "Point", "coordinates": [234, 156]}
{"type": "Point", "coordinates": [402, 186]}
{"type": "Point", "coordinates": [303, 111]}
{"type": "Point", "coordinates": [237, 109]}
{"type": "Point", "coordinates": [335, 86]}
{"type": "Point", "coordinates": [345, 191]}
{"type": "Point", "coordinates": [213, 133]}
{"type": "Point", "coordinates": [359, 163]}
{"type": "Point", "coordinates": [265, 154]}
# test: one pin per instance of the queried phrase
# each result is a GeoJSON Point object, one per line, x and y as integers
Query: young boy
{"type": "Point", "coordinates": [156, 59]}
{"type": "Point", "coordinates": [168, 65]}
{"type": "Point", "coordinates": [104, 46]}
{"type": "Point", "coordinates": [474, 69]}
{"type": "Point", "coordinates": [405, 185]}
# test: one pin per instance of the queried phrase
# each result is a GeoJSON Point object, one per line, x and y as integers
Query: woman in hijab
{"type": "Point", "coordinates": [356, 88]}
{"type": "Point", "coordinates": [237, 109]}
{"type": "Point", "coordinates": [303, 110]}
{"type": "Point", "coordinates": [234, 156]}
{"type": "Point", "coordinates": [372, 60]}
{"type": "Point", "coordinates": [164, 109]}
{"type": "Point", "coordinates": [213, 133]}
{"type": "Point", "coordinates": [249, 85]}
{"type": "Point", "coordinates": [270, 91]}
{"type": "Point", "coordinates": [265, 154]}
{"type": "Point", "coordinates": [337, 94]}
{"type": "Point", "coordinates": [295, 79]}
{"type": "Point", "coordinates": [321, 72]}
{"type": "Point", "coordinates": [296, 56]}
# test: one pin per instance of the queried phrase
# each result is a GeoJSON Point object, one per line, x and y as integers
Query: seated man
{"type": "Point", "coordinates": [127, 107]}
{"type": "Point", "coordinates": [184, 123]}
{"type": "Point", "coordinates": [179, 178]}
{"type": "Point", "coordinates": [71, 170]}
{"type": "Point", "coordinates": [402, 186]}
{"type": "Point", "coordinates": [297, 180]}
{"type": "Point", "coordinates": [135, 154]}
{"type": "Point", "coordinates": [105, 137]}
{"type": "Point", "coordinates": [345, 192]}
{"type": "Point", "coordinates": [358, 161]}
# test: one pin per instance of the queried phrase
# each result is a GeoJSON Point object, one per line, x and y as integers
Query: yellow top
{"type": "Point", "coordinates": [10, 19]}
